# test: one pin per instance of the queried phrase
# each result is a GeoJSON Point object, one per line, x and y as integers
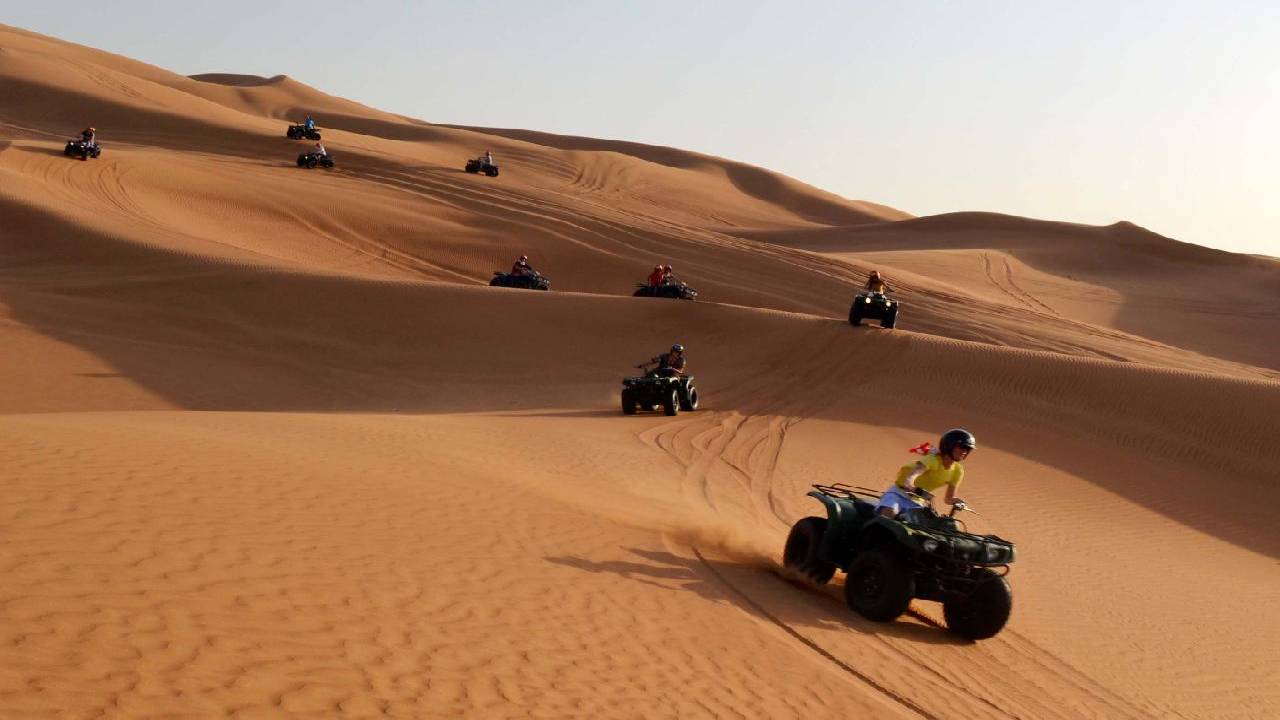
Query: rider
{"type": "Point", "coordinates": [667, 277]}
{"type": "Point", "coordinates": [320, 150]}
{"type": "Point", "coordinates": [940, 466]}
{"type": "Point", "coordinates": [655, 277]}
{"type": "Point", "coordinates": [89, 135]}
{"type": "Point", "coordinates": [521, 267]}
{"type": "Point", "coordinates": [671, 363]}
{"type": "Point", "coordinates": [309, 123]}
{"type": "Point", "coordinates": [487, 159]}
{"type": "Point", "coordinates": [876, 284]}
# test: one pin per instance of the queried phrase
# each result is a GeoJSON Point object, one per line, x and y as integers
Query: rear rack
{"type": "Point", "coordinates": [849, 492]}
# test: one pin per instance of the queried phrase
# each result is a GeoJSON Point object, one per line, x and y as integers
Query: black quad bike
{"type": "Point", "coordinates": [658, 388]}
{"type": "Point", "coordinates": [310, 160]}
{"type": "Point", "coordinates": [889, 561]}
{"type": "Point", "coordinates": [82, 149]}
{"type": "Point", "coordinates": [873, 306]}
{"type": "Point", "coordinates": [299, 132]}
{"type": "Point", "coordinates": [674, 290]}
{"type": "Point", "coordinates": [536, 281]}
{"type": "Point", "coordinates": [478, 165]}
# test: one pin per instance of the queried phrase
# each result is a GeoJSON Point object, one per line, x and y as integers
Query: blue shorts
{"type": "Point", "coordinates": [898, 500]}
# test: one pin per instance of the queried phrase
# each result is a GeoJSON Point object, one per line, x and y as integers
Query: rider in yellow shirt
{"type": "Point", "coordinates": [941, 467]}
{"type": "Point", "coordinates": [876, 284]}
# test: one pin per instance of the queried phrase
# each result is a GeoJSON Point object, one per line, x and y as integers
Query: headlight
{"type": "Point", "coordinates": [866, 300]}
{"type": "Point", "coordinates": [929, 545]}
{"type": "Point", "coordinates": [992, 552]}
{"type": "Point", "coordinates": [888, 303]}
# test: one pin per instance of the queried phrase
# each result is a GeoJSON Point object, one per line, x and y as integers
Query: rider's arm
{"type": "Point", "coordinates": [908, 483]}
{"type": "Point", "coordinates": [951, 494]}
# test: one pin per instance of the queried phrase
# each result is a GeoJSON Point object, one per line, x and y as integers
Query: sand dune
{"type": "Point", "coordinates": [273, 448]}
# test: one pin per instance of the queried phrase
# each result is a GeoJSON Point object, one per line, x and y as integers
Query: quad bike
{"type": "Point", "coordinates": [873, 306]}
{"type": "Point", "coordinates": [310, 160]}
{"type": "Point", "coordinates": [299, 132]}
{"type": "Point", "coordinates": [82, 149]}
{"type": "Point", "coordinates": [478, 165]}
{"type": "Point", "coordinates": [675, 290]}
{"type": "Point", "coordinates": [536, 281]}
{"type": "Point", "coordinates": [658, 388]}
{"type": "Point", "coordinates": [888, 561]}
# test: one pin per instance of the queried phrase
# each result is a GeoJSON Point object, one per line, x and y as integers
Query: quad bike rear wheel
{"type": "Point", "coordinates": [628, 402]}
{"type": "Point", "coordinates": [802, 551]}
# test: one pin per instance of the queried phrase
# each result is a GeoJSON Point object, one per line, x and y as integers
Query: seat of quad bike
{"type": "Point", "coordinates": [865, 510]}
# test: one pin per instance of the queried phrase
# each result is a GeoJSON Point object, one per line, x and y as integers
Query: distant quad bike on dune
{"type": "Point", "coordinates": [310, 160]}
{"type": "Point", "coordinates": [889, 561]}
{"type": "Point", "coordinates": [657, 389]}
{"type": "Point", "coordinates": [299, 132]}
{"type": "Point", "coordinates": [82, 149]}
{"type": "Point", "coordinates": [478, 165]}
{"type": "Point", "coordinates": [675, 290]}
{"type": "Point", "coordinates": [536, 281]}
{"type": "Point", "coordinates": [874, 306]}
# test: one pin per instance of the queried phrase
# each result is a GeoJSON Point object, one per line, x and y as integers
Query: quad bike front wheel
{"type": "Point", "coordinates": [689, 399]}
{"type": "Point", "coordinates": [878, 586]}
{"type": "Point", "coordinates": [984, 611]}
{"type": "Point", "coordinates": [628, 402]}
{"type": "Point", "coordinates": [671, 402]}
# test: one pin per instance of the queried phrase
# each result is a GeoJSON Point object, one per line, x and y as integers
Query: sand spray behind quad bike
{"type": "Point", "coordinates": [682, 526]}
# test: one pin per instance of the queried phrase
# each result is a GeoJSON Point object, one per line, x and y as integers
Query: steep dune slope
{"type": "Point", "coordinates": [273, 449]}
{"type": "Point", "coordinates": [593, 219]}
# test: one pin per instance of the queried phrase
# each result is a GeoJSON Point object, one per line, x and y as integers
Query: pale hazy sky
{"type": "Point", "coordinates": [1163, 113]}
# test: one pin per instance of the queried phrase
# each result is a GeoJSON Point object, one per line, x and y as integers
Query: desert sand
{"type": "Point", "coordinates": [272, 448]}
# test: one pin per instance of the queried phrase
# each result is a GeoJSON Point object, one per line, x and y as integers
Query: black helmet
{"type": "Point", "coordinates": [954, 438]}
{"type": "Point", "coordinates": [677, 348]}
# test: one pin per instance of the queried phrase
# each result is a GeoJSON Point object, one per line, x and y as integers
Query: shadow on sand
{"type": "Point", "coordinates": [731, 582]}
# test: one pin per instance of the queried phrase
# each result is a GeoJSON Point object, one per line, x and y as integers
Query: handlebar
{"type": "Point", "coordinates": [957, 507]}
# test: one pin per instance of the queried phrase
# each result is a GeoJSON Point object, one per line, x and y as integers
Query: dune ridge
{"type": "Point", "coordinates": [273, 448]}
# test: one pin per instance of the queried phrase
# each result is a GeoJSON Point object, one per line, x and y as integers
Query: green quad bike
{"type": "Point", "coordinates": [889, 561]}
{"type": "Point", "coordinates": [655, 389]}
{"type": "Point", "coordinates": [874, 306]}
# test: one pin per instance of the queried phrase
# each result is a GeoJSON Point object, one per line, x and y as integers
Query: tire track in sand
{"type": "Point", "coordinates": [1011, 288]}
{"type": "Point", "coordinates": [815, 647]}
